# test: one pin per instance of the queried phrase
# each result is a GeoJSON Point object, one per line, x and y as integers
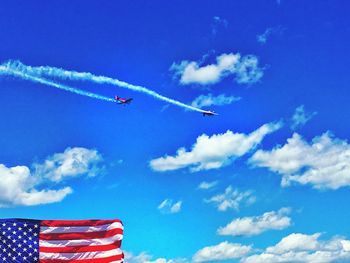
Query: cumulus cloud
{"type": "Point", "coordinates": [262, 38]}
{"type": "Point", "coordinates": [248, 70]}
{"type": "Point", "coordinates": [143, 257]}
{"type": "Point", "coordinates": [245, 69]}
{"type": "Point", "coordinates": [20, 185]}
{"type": "Point", "coordinates": [323, 163]}
{"type": "Point", "coordinates": [222, 251]}
{"type": "Point", "coordinates": [255, 225]}
{"type": "Point", "coordinates": [215, 151]}
{"type": "Point", "coordinates": [170, 207]}
{"type": "Point", "coordinates": [207, 185]}
{"type": "Point", "coordinates": [209, 100]}
{"type": "Point", "coordinates": [301, 117]}
{"type": "Point", "coordinates": [300, 248]}
{"type": "Point", "coordinates": [71, 163]}
{"type": "Point", "coordinates": [232, 199]}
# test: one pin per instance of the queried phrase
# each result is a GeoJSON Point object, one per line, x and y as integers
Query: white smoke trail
{"type": "Point", "coordinates": [23, 75]}
{"type": "Point", "coordinates": [53, 72]}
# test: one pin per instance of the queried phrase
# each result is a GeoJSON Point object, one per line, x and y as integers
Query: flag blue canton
{"type": "Point", "coordinates": [19, 240]}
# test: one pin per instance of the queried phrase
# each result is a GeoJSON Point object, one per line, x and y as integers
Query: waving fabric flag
{"type": "Point", "coordinates": [61, 241]}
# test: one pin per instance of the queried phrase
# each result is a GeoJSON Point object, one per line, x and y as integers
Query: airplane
{"type": "Point", "coordinates": [122, 101]}
{"type": "Point", "coordinates": [209, 113]}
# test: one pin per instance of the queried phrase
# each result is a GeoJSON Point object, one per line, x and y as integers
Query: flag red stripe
{"type": "Point", "coordinates": [70, 223]}
{"type": "Point", "coordinates": [78, 249]}
{"type": "Point", "coordinates": [79, 235]}
{"type": "Point", "coordinates": [97, 260]}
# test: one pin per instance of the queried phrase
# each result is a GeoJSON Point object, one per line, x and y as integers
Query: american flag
{"type": "Point", "coordinates": [61, 241]}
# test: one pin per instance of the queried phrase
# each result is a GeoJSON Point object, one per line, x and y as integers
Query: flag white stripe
{"type": "Point", "coordinates": [83, 255]}
{"type": "Point", "coordinates": [80, 242]}
{"type": "Point", "coordinates": [80, 229]}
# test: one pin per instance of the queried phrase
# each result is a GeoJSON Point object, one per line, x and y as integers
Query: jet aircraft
{"type": "Point", "coordinates": [209, 113]}
{"type": "Point", "coordinates": [122, 100]}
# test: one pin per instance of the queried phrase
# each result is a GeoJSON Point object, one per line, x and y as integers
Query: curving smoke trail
{"type": "Point", "coordinates": [23, 75]}
{"type": "Point", "coordinates": [46, 71]}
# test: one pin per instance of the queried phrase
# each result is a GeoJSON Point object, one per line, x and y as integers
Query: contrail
{"type": "Point", "coordinates": [46, 71]}
{"type": "Point", "coordinates": [23, 75]}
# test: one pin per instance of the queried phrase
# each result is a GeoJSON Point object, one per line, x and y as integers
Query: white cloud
{"type": "Point", "coordinates": [143, 257]}
{"type": "Point", "coordinates": [215, 151]}
{"type": "Point", "coordinates": [255, 225]}
{"type": "Point", "coordinates": [222, 251]}
{"type": "Point", "coordinates": [245, 69]}
{"type": "Point", "coordinates": [71, 163]}
{"type": "Point", "coordinates": [301, 117]}
{"type": "Point", "coordinates": [209, 100]}
{"type": "Point", "coordinates": [218, 23]}
{"type": "Point", "coordinates": [169, 207]}
{"type": "Point", "coordinates": [262, 38]}
{"type": "Point", "coordinates": [207, 185]}
{"type": "Point", "coordinates": [164, 260]}
{"type": "Point", "coordinates": [18, 187]}
{"type": "Point", "coordinates": [248, 70]}
{"type": "Point", "coordinates": [323, 163]}
{"type": "Point", "coordinates": [300, 248]}
{"type": "Point", "coordinates": [232, 199]}
{"type": "Point", "coordinates": [295, 242]}
{"type": "Point", "coordinates": [21, 186]}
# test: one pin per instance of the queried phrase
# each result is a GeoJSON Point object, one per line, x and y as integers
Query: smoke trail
{"type": "Point", "coordinates": [53, 72]}
{"type": "Point", "coordinates": [23, 75]}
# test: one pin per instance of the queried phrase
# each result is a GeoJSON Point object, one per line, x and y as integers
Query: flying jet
{"type": "Point", "coordinates": [122, 101]}
{"type": "Point", "coordinates": [209, 113]}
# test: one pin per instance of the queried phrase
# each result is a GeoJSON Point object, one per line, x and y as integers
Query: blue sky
{"type": "Point", "coordinates": [274, 163]}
